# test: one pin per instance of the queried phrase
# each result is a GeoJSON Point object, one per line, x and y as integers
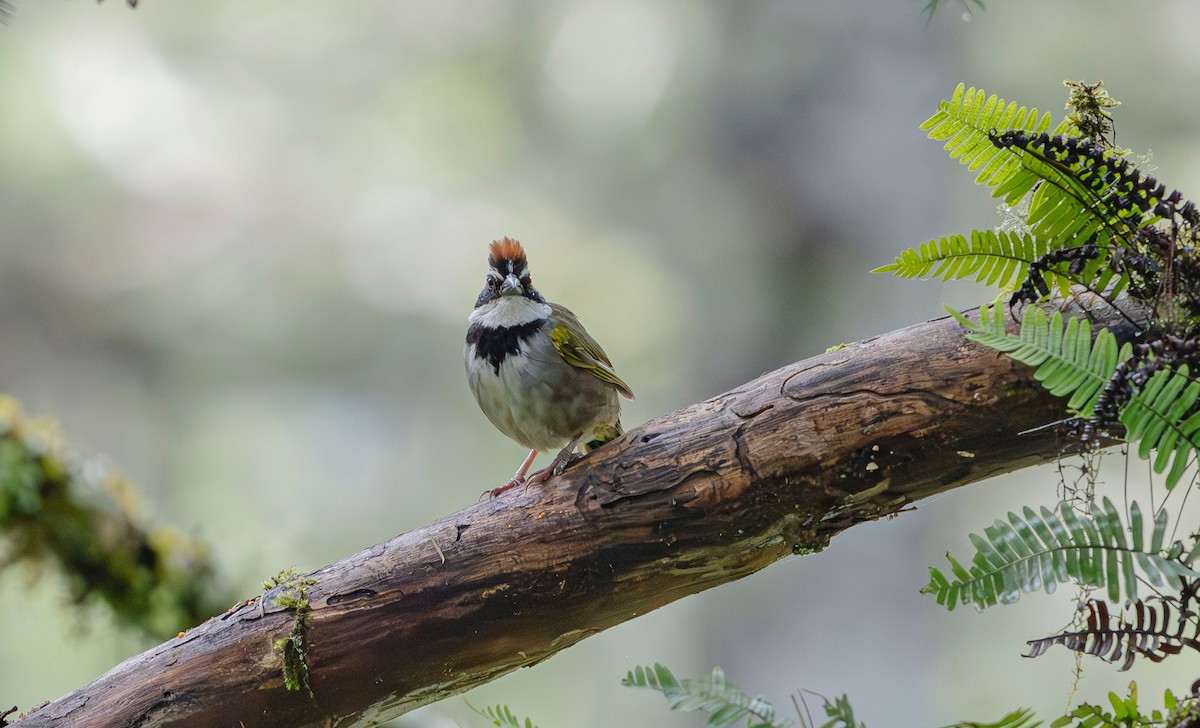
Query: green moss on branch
{"type": "Point", "coordinates": [60, 510]}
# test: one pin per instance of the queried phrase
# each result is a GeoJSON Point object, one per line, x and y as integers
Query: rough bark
{"type": "Point", "coordinates": [690, 500]}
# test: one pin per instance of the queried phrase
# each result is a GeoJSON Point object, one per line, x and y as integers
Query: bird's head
{"type": "Point", "coordinates": [508, 273]}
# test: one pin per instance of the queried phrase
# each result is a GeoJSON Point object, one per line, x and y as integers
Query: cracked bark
{"type": "Point", "coordinates": [690, 500]}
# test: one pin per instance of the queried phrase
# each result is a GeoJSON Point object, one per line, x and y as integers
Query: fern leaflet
{"type": "Point", "coordinates": [1066, 360]}
{"type": "Point", "coordinates": [1085, 187]}
{"type": "Point", "coordinates": [1020, 718]}
{"type": "Point", "coordinates": [1151, 630]}
{"type": "Point", "coordinates": [965, 123]}
{"type": "Point", "coordinates": [1044, 549]}
{"type": "Point", "coordinates": [1178, 713]}
{"type": "Point", "coordinates": [1162, 417]}
{"type": "Point", "coordinates": [1080, 193]}
{"type": "Point", "coordinates": [501, 716]}
{"type": "Point", "coordinates": [722, 700]}
{"type": "Point", "coordinates": [1089, 193]}
{"type": "Point", "coordinates": [840, 714]}
{"type": "Point", "coordinates": [994, 258]}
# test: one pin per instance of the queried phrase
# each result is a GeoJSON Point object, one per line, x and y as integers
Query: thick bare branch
{"type": "Point", "coordinates": [688, 501]}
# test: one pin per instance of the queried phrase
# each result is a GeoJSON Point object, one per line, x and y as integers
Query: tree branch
{"type": "Point", "coordinates": [688, 501]}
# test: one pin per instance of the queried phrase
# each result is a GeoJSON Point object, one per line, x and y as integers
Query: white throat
{"type": "Point", "coordinates": [508, 311]}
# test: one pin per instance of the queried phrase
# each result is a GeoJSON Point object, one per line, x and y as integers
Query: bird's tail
{"type": "Point", "coordinates": [603, 434]}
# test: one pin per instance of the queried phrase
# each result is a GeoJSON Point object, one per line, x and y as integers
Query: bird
{"type": "Point", "coordinates": [536, 373]}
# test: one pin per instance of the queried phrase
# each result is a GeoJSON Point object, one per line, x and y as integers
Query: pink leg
{"type": "Point", "coordinates": [557, 466]}
{"type": "Point", "coordinates": [517, 479]}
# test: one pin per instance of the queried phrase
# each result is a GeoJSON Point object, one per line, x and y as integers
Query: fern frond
{"type": "Point", "coordinates": [1043, 549]}
{"type": "Point", "coordinates": [840, 714]}
{"type": "Point", "coordinates": [994, 258]}
{"type": "Point", "coordinates": [500, 715]}
{"type": "Point", "coordinates": [722, 700]}
{"type": "Point", "coordinates": [1065, 358]}
{"type": "Point", "coordinates": [1020, 718]}
{"type": "Point", "coordinates": [1126, 713]}
{"type": "Point", "coordinates": [1151, 630]}
{"type": "Point", "coordinates": [1090, 194]}
{"type": "Point", "coordinates": [1079, 192]}
{"type": "Point", "coordinates": [1162, 418]}
{"type": "Point", "coordinates": [965, 123]}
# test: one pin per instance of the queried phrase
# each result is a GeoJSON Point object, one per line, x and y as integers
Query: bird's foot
{"type": "Point", "coordinates": [562, 461]}
{"type": "Point", "coordinates": [513, 482]}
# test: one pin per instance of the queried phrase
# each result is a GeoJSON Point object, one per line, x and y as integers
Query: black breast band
{"type": "Point", "coordinates": [496, 343]}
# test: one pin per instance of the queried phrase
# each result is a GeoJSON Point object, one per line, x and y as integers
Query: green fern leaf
{"type": "Point", "coordinates": [1073, 198]}
{"type": "Point", "coordinates": [1066, 359]}
{"type": "Point", "coordinates": [1127, 714]}
{"type": "Point", "coordinates": [965, 122]}
{"type": "Point", "coordinates": [840, 714]}
{"type": "Point", "coordinates": [1042, 549]}
{"type": "Point", "coordinates": [994, 258]}
{"type": "Point", "coordinates": [722, 700]}
{"type": "Point", "coordinates": [1020, 718]}
{"type": "Point", "coordinates": [1084, 198]}
{"type": "Point", "coordinates": [500, 715]}
{"type": "Point", "coordinates": [1162, 418]}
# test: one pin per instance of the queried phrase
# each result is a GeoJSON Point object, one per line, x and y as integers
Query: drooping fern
{"type": "Point", "coordinates": [1020, 718]}
{"type": "Point", "coordinates": [1043, 549]}
{"type": "Point", "coordinates": [1161, 417]}
{"type": "Point", "coordinates": [1085, 191]}
{"type": "Point", "coordinates": [502, 716]}
{"type": "Point", "coordinates": [722, 700]}
{"type": "Point", "coordinates": [1087, 219]}
{"type": "Point", "coordinates": [1148, 628]}
{"type": "Point", "coordinates": [1066, 359]}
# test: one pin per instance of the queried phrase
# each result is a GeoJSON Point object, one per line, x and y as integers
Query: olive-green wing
{"type": "Point", "coordinates": [580, 350]}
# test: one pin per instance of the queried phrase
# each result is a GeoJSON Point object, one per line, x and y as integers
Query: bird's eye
{"type": "Point", "coordinates": [492, 283]}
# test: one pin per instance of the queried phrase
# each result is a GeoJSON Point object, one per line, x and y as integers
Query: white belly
{"type": "Point", "coordinates": [539, 400]}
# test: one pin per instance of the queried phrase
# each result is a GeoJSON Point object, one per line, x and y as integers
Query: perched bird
{"type": "Point", "coordinates": [535, 371]}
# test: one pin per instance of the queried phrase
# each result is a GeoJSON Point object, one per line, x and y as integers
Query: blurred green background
{"type": "Point", "coordinates": [240, 242]}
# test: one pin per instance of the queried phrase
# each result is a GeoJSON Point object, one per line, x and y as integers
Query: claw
{"type": "Point", "coordinates": [513, 482]}
{"type": "Point", "coordinates": [518, 478]}
{"type": "Point", "coordinates": [561, 462]}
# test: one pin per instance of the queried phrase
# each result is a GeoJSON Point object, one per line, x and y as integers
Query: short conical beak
{"type": "Point", "coordinates": [511, 286]}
